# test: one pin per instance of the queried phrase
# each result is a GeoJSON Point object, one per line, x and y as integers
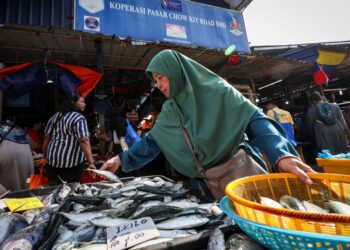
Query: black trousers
{"type": "Point", "coordinates": [74, 174]}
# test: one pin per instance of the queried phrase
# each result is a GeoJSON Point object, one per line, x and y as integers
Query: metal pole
{"type": "Point", "coordinates": [100, 91]}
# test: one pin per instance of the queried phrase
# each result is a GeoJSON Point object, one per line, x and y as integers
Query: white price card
{"type": "Point", "coordinates": [131, 233]}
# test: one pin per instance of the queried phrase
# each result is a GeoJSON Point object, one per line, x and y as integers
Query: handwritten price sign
{"type": "Point", "coordinates": [131, 233]}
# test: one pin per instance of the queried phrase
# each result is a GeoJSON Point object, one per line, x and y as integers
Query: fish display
{"type": "Point", "coordinates": [76, 216]}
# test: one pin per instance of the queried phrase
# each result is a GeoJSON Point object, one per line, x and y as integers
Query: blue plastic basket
{"type": "Point", "coordinates": [278, 238]}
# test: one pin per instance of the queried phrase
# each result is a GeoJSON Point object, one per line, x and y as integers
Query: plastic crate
{"type": "Point", "coordinates": [337, 166]}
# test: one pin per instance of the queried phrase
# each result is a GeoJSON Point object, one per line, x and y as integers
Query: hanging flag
{"type": "Point", "coordinates": [330, 60]}
{"type": "Point", "coordinates": [319, 76]}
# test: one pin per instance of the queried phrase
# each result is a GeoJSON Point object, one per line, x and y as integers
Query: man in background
{"type": "Point", "coordinates": [284, 118]}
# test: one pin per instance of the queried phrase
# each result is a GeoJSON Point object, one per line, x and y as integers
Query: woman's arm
{"type": "Point", "coordinates": [135, 157]}
{"type": "Point", "coordinates": [84, 143]}
{"type": "Point", "coordinates": [47, 138]}
{"type": "Point", "coordinates": [267, 135]}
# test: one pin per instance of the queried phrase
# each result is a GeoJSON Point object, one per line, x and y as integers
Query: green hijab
{"type": "Point", "coordinates": [214, 114]}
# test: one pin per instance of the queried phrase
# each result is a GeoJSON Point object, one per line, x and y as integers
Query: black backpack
{"type": "Point", "coordinates": [326, 114]}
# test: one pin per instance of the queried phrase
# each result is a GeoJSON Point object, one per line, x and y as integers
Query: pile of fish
{"type": "Point", "coordinates": [290, 202]}
{"type": "Point", "coordinates": [78, 215]}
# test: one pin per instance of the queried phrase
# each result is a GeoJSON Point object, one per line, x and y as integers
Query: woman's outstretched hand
{"type": "Point", "coordinates": [297, 167]}
{"type": "Point", "coordinates": [112, 164]}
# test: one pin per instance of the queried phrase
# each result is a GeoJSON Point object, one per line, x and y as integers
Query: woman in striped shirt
{"type": "Point", "coordinates": [66, 144]}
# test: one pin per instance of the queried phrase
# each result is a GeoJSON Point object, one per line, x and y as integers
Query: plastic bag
{"type": "Point", "coordinates": [39, 179]}
{"type": "Point", "coordinates": [131, 136]}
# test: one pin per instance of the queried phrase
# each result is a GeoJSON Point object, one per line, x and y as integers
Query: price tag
{"type": "Point", "coordinates": [23, 203]}
{"type": "Point", "coordinates": [131, 233]}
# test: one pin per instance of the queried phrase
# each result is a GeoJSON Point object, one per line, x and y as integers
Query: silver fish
{"type": "Point", "coordinates": [292, 203]}
{"type": "Point", "coordinates": [150, 243]}
{"type": "Point", "coordinates": [92, 247]}
{"type": "Point", "coordinates": [108, 221]}
{"type": "Point", "coordinates": [183, 203]}
{"type": "Point", "coordinates": [5, 227]}
{"type": "Point", "coordinates": [177, 233]}
{"type": "Point", "coordinates": [270, 202]}
{"type": "Point", "coordinates": [183, 222]}
{"type": "Point", "coordinates": [63, 235]}
{"type": "Point", "coordinates": [29, 215]}
{"type": "Point", "coordinates": [242, 242]}
{"type": "Point", "coordinates": [312, 208]}
{"type": "Point", "coordinates": [216, 240]}
{"type": "Point", "coordinates": [338, 207]}
{"type": "Point", "coordinates": [62, 193]}
{"type": "Point", "coordinates": [109, 175]}
{"type": "Point", "coordinates": [82, 217]}
{"type": "Point", "coordinates": [28, 238]}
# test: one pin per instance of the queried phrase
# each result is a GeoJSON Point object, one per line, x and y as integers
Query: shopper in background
{"type": "Point", "coordinates": [326, 125]}
{"type": "Point", "coordinates": [216, 117]}
{"type": "Point", "coordinates": [16, 160]}
{"type": "Point", "coordinates": [34, 133]}
{"type": "Point", "coordinates": [284, 118]}
{"type": "Point", "coordinates": [66, 143]}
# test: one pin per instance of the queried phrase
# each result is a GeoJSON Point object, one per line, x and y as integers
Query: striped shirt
{"type": "Point", "coordinates": [64, 150]}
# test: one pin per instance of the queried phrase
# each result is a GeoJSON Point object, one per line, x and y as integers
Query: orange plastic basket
{"type": "Point", "coordinates": [245, 191]}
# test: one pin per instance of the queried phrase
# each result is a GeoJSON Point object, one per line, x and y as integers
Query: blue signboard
{"type": "Point", "coordinates": [174, 21]}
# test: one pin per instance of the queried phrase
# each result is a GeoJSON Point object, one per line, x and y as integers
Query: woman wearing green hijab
{"type": "Point", "coordinates": [216, 117]}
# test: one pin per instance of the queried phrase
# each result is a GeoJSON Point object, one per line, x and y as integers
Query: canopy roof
{"type": "Point", "coordinates": [124, 61]}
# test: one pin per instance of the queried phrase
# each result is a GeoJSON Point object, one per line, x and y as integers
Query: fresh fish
{"type": "Point", "coordinates": [150, 243]}
{"type": "Point", "coordinates": [312, 208]}
{"type": "Point", "coordinates": [83, 199]}
{"type": "Point", "coordinates": [5, 227]}
{"type": "Point", "coordinates": [108, 221]}
{"type": "Point", "coordinates": [292, 203]}
{"type": "Point", "coordinates": [63, 235]}
{"type": "Point", "coordinates": [82, 217]}
{"type": "Point", "coordinates": [183, 222]}
{"type": "Point", "coordinates": [28, 238]}
{"type": "Point", "coordinates": [338, 207]}
{"type": "Point", "coordinates": [216, 240]}
{"type": "Point", "coordinates": [100, 236]}
{"type": "Point", "coordinates": [270, 202]}
{"type": "Point", "coordinates": [48, 200]}
{"type": "Point", "coordinates": [177, 186]}
{"type": "Point", "coordinates": [77, 207]}
{"type": "Point", "coordinates": [183, 203]}
{"type": "Point", "coordinates": [177, 233]}
{"type": "Point", "coordinates": [109, 175]}
{"type": "Point", "coordinates": [92, 247]}
{"type": "Point", "coordinates": [206, 206]}
{"type": "Point", "coordinates": [45, 214]}
{"type": "Point", "coordinates": [241, 241]}
{"type": "Point", "coordinates": [123, 210]}
{"type": "Point", "coordinates": [82, 234]}
{"type": "Point", "coordinates": [18, 223]}
{"type": "Point", "coordinates": [106, 185]}
{"type": "Point", "coordinates": [62, 193]}
{"type": "Point", "coordinates": [159, 213]}
{"type": "Point", "coordinates": [159, 180]}
{"type": "Point", "coordinates": [194, 210]}
{"type": "Point", "coordinates": [29, 215]}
